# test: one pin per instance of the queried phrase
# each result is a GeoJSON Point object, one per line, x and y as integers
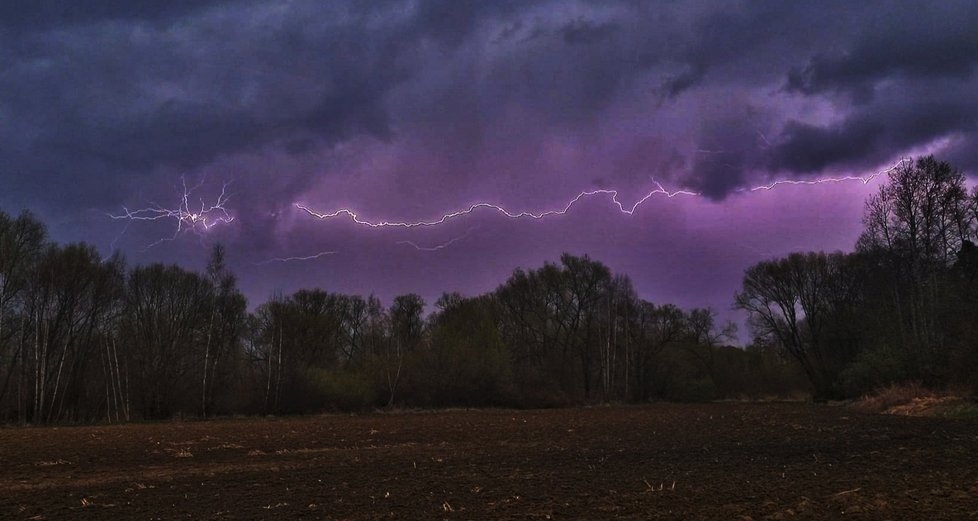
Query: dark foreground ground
{"type": "Point", "coordinates": [715, 461]}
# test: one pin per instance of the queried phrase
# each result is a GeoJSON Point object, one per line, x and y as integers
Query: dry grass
{"type": "Point", "coordinates": [895, 395]}
{"type": "Point", "coordinates": [914, 399]}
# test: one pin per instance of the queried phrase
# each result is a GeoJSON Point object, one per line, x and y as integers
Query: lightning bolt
{"type": "Point", "coordinates": [864, 180]}
{"type": "Point", "coordinates": [510, 214]}
{"type": "Point", "coordinates": [187, 218]}
{"type": "Point", "coordinates": [659, 190]}
{"type": "Point", "coordinates": [442, 245]}
{"type": "Point", "coordinates": [198, 219]}
{"type": "Point", "coordinates": [290, 259]}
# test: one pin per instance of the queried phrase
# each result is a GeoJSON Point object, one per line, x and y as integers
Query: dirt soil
{"type": "Point", "coordinates": [714, 461]}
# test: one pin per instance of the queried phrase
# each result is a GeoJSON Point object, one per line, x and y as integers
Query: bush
{"type": "Point", "coordinates": [695, 390]}
{"type": "Point", "coordinates": [874, 368]}
{"type": "Point", "coordinates": [341, 390]}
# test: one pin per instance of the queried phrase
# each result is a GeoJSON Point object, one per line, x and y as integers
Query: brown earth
{"type": "Point", "coordinates": [714, 461]}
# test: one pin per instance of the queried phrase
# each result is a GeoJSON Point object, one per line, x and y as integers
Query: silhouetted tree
{"type": "Point", "coordinates": [794, 301]}
{"type": "Point", "coordinates": [406, 330]}
{"type": "Point", "coordinates": [66, 297]}
{"type": "Point", "coordinates": [225, 323]}
{"type": "Point", "coordinates": [164, 325]}
{"type": "Point", "coordinates": [704, 340]}
{"type": "Point", "coordinates": [654, 329]}
{"type": "Point", "coordinates": [467, 362]}
{"type": "Point", "coordinates": [916, 227]}
{"type": "Point", "coordinates": [85, 338]}
{"type": "Point", "coordinates": [21, 241]}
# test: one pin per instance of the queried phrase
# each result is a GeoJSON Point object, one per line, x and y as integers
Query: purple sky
{"type": "Point", "coordinates": [410, 110]}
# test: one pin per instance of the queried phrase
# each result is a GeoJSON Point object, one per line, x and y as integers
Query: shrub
{"type": "Point", "coordinates": [874, 368]}
{"type": "Point", "coordinates": [341, 390]}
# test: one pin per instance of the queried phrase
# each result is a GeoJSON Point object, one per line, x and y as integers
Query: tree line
{"type": "Point", "coordinates": [902, 307]}
{"type": "Point", "coordinates": [84, 338]}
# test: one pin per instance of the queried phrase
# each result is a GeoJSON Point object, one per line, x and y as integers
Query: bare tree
{"type": "Point", "coordinates": [68, 294]}
{"type": "Point", "coordinates": [407, 328]}
{"type": "Point", "coordinates": [164, 323]}
{"type": "Point", "coordinates": [704, 339]}
{"type": "Point", "coordinates": [225, 322]}
{"type": "Point", "coordinates": [794, 300]}
{"type": "Point", "coordinates": [917, 225]}
{"type": "Point", "coordinates": [21, 240]}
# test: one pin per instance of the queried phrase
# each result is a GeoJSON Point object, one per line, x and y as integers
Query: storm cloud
{"type": "Point", "coordinates": [408, 109]}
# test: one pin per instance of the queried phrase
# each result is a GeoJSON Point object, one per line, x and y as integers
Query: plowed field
{"type": "Point", "coordinates": [713, 461]}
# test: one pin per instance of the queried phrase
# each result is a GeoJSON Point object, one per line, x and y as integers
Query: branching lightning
{"type": "Point", "coordinates": [187, 218]}
{"type": "Point", "coordinates": [198, 219]}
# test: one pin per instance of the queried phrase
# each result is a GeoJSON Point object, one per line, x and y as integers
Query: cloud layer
{"type": "Point", "coordinates": [408, 109]}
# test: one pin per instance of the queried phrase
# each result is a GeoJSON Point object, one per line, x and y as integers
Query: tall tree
{"type": "Point", "coordinates": [21, 240]}
{"type": "Point", "coordinates": [793, 300]}
{"type": "Point", "coordinates": [407, 329]}
{"type": "Point", "coordinates": [67, 297]}
{"type": "Point", "coordinates": [916, 226]}
{"type": "Point", "coordinates": [225, 322]}
{"type": "Point", "coordinates": [165, 324]}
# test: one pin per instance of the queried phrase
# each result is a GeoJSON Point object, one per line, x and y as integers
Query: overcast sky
{"type": "Point", "coordinates": [408, 110]}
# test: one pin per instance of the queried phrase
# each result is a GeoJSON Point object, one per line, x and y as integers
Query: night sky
{"type": "Point", "coordinates": [406, 111]}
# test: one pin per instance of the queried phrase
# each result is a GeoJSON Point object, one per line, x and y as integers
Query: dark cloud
{"type": "Point", "coordinates": [395, 104]}
{"type": "Point", "coordinates": [731, 35]}
{"type": "Point", "coordinates": [810, 149]}
{"type": "Point", "coordinates": [872, 134]}
{"type": "Point", "coordinates": [120, 100]}
{"type": "Point", "coordinates": [100, 89]}
{"type": "Point", "coordinates": [450, 22]}
{"type": "Point", "coordinates": [927, 42]}
{"type": "Point", "coordinates": [586, 31]}
{"type": "Point", "coordinates": [963, 153]}
{"type": "Point", "coordinates": [727, 155]}
{"type": "Point", "coordinates": [905, 73]}
{"type": "Point", "coordinates": [404, 109]}
{"type": "Point", "coordinates": [679, 83]}
{"type": "Point", "coordinates": [43, 14]}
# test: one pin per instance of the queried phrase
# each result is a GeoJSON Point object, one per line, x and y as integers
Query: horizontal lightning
{"type": "Point", "coordinates": [442, 245]}
{"type": "Point", "coordinates": [658, 190]}
{"type": "Point", "coordinates": [864, 180]}
{"type": "Point", "coordinates": [290, 259]}
{"type": "Point", "coordinates": [512, 215]}
{"type": "Point", "coordinates": [203, 217]}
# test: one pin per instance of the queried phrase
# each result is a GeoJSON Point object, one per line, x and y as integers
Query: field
{"type": "Point", "coordinates": [712, 461]}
